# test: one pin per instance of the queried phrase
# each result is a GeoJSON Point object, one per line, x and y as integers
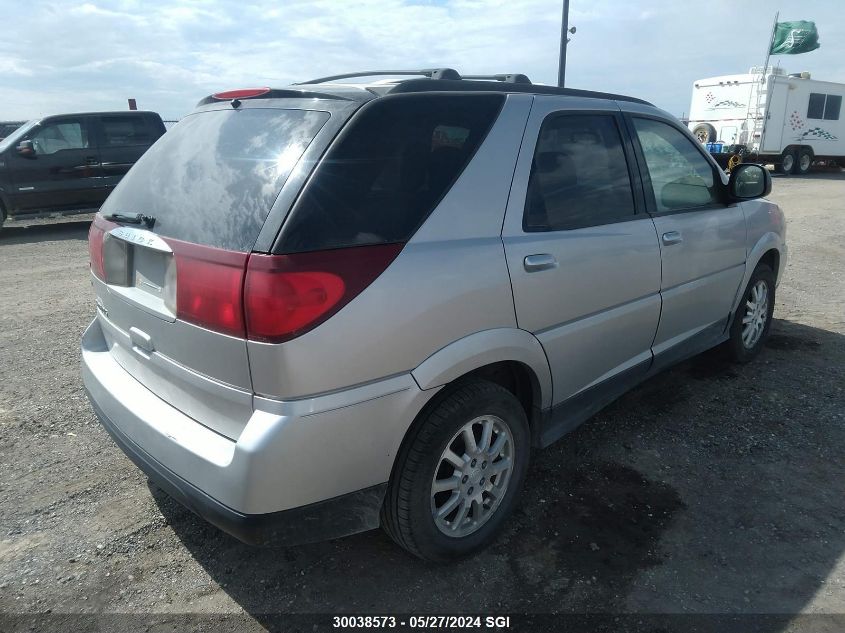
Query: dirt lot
{"type": "Point", "coordinates": [712, 488]}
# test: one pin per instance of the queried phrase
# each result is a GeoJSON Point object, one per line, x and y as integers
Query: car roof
{"type": "Point", "coordinates": [426, 80]}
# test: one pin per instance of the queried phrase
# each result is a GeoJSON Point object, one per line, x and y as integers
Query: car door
{"type": "Point", "coordinates": [123, 140]}
{"type": "Point", "coordinates": [581, 251]}
{"type": "Point", "coordinates": [62, 173]}
{"type": "Point", "coordinates": [702, 239]}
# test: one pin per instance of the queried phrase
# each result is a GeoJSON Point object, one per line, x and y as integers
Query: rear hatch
{"type": "Point", "coordinates": [170, 246]}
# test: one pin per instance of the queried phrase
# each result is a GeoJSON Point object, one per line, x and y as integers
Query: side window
{"type": "Point", "coordinates": [822, 106]}
{"type": "Point", "coordinates": [815, 109]}
{"type": "Point", "coordinates": [122, 131]}
{"type": "Point", "coordinates": [55, 136]}
{"type": "Point", "coordinates": [832, 106]}
{"type": "Point", "coordinates": [680, 176]}
{"type": "Point", "coordinates": [388, 170]}
{"type": "Point", "coordinates": [579, 176]}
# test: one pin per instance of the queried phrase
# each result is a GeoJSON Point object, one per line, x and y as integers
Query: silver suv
{"type": "Point", "coordinates": [330, 307]}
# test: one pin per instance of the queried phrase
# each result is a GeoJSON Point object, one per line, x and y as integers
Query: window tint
{"type": "Point", "coordinates": [815, 109]}
{"type": "Point", "coordinates": [832, 105]}
{"type": "Point", "coordinates": [214, 176]}
{"type": "Point", "coordinates": [125, 130]}
{"type": "Point", "coordinates": [579, 176]}
{"type": "Point", "coordinates": [55, 136]}
{"type": "Point", "coordinates": [680, 176]}
{"type": "Point", "coordinates": [388, 170]}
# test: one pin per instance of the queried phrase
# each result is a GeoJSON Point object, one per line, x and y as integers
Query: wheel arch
{"type": "Point", "coordinates": [770, 250]}
{"type": "Point", "coordinates": [796, 149]}
{"type": "Point", "coordinates": [772, 259]}
{"type": "Point", "coordinates": [509, 357]}
{"type": "Point", "coordinates": [488, 354]}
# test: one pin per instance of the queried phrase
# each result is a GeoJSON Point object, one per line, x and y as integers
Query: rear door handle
{"type": "Point", "coordinates": [91, 160]}
{"type": "Point", "coordinates": [541, 261]}
{"type": "Point", "coordinates": [672, 237]}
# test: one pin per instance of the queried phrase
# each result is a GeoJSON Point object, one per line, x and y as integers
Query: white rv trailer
{"type": "Point", "coordinates": [789, 120]}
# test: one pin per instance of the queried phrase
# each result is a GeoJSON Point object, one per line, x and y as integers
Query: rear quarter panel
{"type": "Point", "coordinates": [449, 281]}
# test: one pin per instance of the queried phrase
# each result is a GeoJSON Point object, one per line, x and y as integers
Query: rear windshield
{"type": "Point", "coordinates": [214, 176]}
{"type": "Point", "coordinates": [388, 170]}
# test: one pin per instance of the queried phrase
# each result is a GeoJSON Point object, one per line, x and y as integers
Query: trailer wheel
{"type": "Point", "coordinates": [805, 162]}
{"type": "Point", "coordinates": [787, 163]}
{"type": "Point", "coordinates": [705, 133]}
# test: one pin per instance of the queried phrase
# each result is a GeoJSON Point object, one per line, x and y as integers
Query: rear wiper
{"type": "Point", "coordinates": [138, 218]}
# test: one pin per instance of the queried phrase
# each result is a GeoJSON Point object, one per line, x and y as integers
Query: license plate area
{"type": "Point", "coordinates": [149, 271]}
{"type": "Point", "coordinates": [140, 268]}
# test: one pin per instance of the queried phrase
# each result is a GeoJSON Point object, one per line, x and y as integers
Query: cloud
{"type": "Point", "coordinates": [70, 56]}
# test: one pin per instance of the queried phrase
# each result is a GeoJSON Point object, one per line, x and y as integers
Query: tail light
{"type": "Point", "coordinates": [271, 298]}
{"type": "Point", "coordinates": [287, 295]}
{"type": "Point", "coordinates": [209, 282]}
{"type": "Point", "coordinates": [96, 236]}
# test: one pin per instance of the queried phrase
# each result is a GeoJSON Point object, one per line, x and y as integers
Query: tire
{"type": "Point", "coordinates": [705, 133]}
{"type": "Point", "coordinates": [804, 162]}
{"type": "Point", "coordinates": [787, 163]}
{"type": "Point", "coordinates": [737, 345]}
{"type": "Point", "coordinates": [411, 502]}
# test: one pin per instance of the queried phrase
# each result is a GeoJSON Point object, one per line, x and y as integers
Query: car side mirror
{"type": "Point", "coordinates": [749, 181]}
{"type": "Point", "coordinates": [26, 148]}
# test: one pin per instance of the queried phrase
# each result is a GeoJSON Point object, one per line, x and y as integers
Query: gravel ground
{"type": "Point", "coordinates": [711, 488]}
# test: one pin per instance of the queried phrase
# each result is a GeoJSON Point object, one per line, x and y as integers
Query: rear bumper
{"type": "Point", "coordinates": [347, 514]}
{"type": "Point", "coordinates": [300, 471]}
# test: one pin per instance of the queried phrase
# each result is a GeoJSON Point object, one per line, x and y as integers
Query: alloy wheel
{"type": "Point", "coordinates": [756, 313]}
{"type": "Point", "coordinates": [472, 476]}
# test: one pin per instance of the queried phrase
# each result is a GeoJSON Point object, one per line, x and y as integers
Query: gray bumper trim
{"type": "Point", "coordinates": [333, 518]}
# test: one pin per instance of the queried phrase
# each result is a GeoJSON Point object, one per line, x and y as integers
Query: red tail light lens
{"type": "Point", "coordinates": [287, 295]}
{"type": "Point", "coordinates": [208, 286]}
{"type": "Point", "coordinates": [271, 298]}
{"type": "Point", "coordinates": [96, 235]}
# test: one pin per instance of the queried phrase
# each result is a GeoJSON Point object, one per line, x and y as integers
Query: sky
{"type": "Point", "coordinates": [70, 56]}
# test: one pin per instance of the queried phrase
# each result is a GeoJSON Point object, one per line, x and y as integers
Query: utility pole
{"type": "Point", "coordinates": [564, 38]}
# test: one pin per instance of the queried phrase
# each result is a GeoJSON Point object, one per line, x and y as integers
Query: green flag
{"type": "Point", "coordinates": [791, 38]}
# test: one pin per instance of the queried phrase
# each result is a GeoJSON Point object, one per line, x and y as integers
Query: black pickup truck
{"type": "Point", "coordinates": [70, 162]}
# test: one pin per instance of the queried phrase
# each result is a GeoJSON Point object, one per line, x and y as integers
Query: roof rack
{"type": "Point", "coordinates": [468, 85]}
{"type": "Point", "coordinates": [432, 73]}
{"type": "Point", "coordinates": [510, 78]}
